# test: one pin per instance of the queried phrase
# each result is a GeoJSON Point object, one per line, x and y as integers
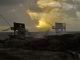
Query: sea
{"type": "Point", "coordinates": [4, 35]}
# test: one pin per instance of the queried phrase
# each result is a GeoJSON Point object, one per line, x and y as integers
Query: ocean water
{"type": "Point", "coordinates": [4, 35]}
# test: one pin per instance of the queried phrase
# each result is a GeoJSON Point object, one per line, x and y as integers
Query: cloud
{"type": "Point", "coordinates": [14, 10]}
{"type": "Point", "coordinates": [11, 2]}
{"type": "Point", "coordinates": [28, 4]}
{"type": "Point", "coordinates": [49, 10]}
{"type": "Point", "coordinates": [55, 12]}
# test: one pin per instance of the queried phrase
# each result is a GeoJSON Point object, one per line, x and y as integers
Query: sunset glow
{"type": "Point", "coordinates": [46, 6]}
{"type": "Point", "coordinates": [35, 13]}
{"type": "Point", "coordinates": [42, 24]}
{"type": "Point", "coordinates": [39, 17]}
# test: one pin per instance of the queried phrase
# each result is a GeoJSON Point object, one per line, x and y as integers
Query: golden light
{"type": "Point", "coordinates": [45, 5]}
{"type": "Point", "coordinates": [42, 23]}
{"type": "Point", "coordinates": [29, 12]}
{"type": "Point", "coordinates": [32, 14]}
{"type": "Point", "coordinates": [38, 26]}
{"type": "Point", "coordinates": [39, 17]}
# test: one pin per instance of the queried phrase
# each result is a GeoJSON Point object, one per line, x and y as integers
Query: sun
{"type": "Point", "coordinates": [41, 24]}
{"type": "Point", "coordinates": [38, 26]}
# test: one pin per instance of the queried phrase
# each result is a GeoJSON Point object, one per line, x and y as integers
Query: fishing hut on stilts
{"type": "Point", "coordinates": [19, 30]}
{"type": "Point", "coordinates": [59, 28]}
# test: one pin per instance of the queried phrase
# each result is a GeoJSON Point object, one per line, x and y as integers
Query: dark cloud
{"type": "Point", "coordinates": [70, 1]}
{"type": "Point", "coordinates": [12, 10]}
{"type": "Point", "coordinates": [11, 2]}
{"type": "Point", "coordinates": [20, 15]}
{"type": "Point", "coordinates": [30, 4]}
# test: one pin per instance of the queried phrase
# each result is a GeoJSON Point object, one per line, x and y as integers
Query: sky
{"type": "Point", "coordinates": [35, 13]}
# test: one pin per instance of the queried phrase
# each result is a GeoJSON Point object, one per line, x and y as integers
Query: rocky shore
{"type": "Point", "coordinates": [56, 47]}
